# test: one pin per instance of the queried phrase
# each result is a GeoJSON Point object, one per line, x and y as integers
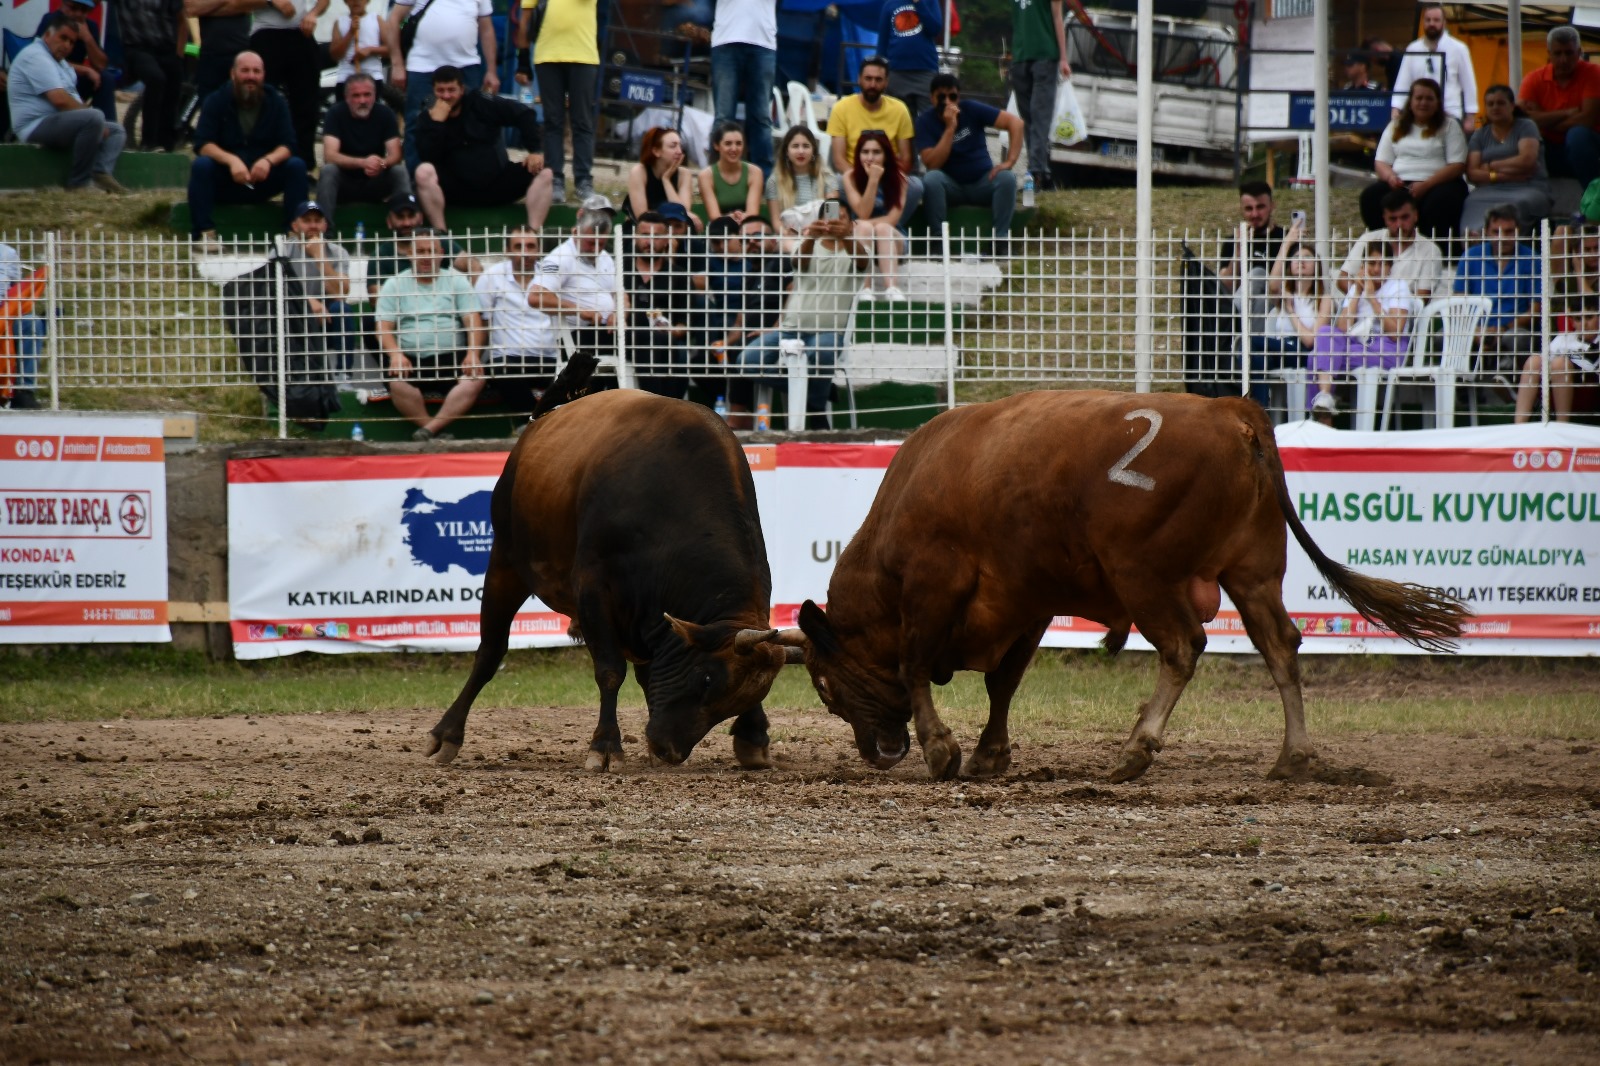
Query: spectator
{"type": "Point", "coordinates": [566, 58]}
{"type": "Point", "coordinates": [688, 18]}
{"type": "Point", "coordinates": [1574, 262]}
{"type": "Point", "coordinates": [730, 185]}
{"type": "Point", "coordinates": [1573, 363]}
{"type": "Point", "coordinates": [1440, 58]}
{"type": "Point", "coordinates": [660, 303]}
{"type": "Point", "coordinates": [464, 152]}
{"type": "Point", "coordinates": [1416, 260]}
{"type": "Point", "coordinates": [523, 342]}
{"type": "Point", "coordinates": [240, 164]}
{"type": "Point", "coordinates": [800, 176]}
{"type": "Point", "coordinates": [659, 177]}
{"type": "Point", "coordinates": [1425, 152]}
{"type": "Point", "coordinates": [744, 60]}
{"type": "Point", "coordinates": [1507, 272]}
{"type": "Point", "coordinates": [577, 282]}
{"type": "Point", "coordinates": [1563, 100]}
{"type": "Point", "coordinates": [870, 109]}
{"type": "Point", "coordinates": [1255, 209]}
{"type": "Point", "coordinates": [875, 193]}
{"type": "Point", "coordinates": [908, 37]}
{"type": "Point", "coordinates": [323, 270]}
{"type": "Point", "coordinates": [430, 329]}
{"type": "Point", "coordinates": [358, 45]}
{"type": "Point", "coordinates": [1038, 59]}
{"type": "Point", "coordinates": [1357, 74]}
{"type": "Point", "coordinates": [767, 275]}
{"type": "Point", "coordinates": [361, 158]}
{"type": "Point", "coordinates": [1301, 306]}
{"type": "Point", "coordinates": [47, 110]}
{"type": "Point", "coordinates": [1372, 327]}
{"type": "Point", "coordinates": [455, 33]}
{"type": "Point", "coordinates": [389, 258]}
{"type": "Point", "coordinates": [153, 35]}
{"type": "Point", "coordinates": [1505, 161]}
{"type": "Point", "coordinates": [86, 58]}
{"type": "Point", "coordinates": [225, 29]}
{"type": "Point", "coordinates": [955, 151]}
{"type": "Point", "coordinates": [817, 313]}
{"type": "Point", "coordinates": [1384, 60]}
{"type": "Point", "coordinates": [283, 36]}
{"type": "Point", "coordinates": [720, 324]}
{"type": "Point", "coordinates": [26, 332]}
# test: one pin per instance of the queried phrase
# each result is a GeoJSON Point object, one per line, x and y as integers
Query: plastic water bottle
{"type": "Point", "coordinates": [525, 95]}
{"type": "Point", "coordinates": [361, 235]}
{"type": "Point", "coordinates": [721, 408]}
{"type": "Point", "coordinates": [1027, 190]}
{"type": "Point", "coordinates": [357, 433]}
{"type": "Point", "coordinates": [763, 417]}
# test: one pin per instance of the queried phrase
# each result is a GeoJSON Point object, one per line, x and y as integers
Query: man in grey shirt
{"type": "Point", "coordinates": [323, 270]}
{"type": "Point", "coordinates": [47, 110]}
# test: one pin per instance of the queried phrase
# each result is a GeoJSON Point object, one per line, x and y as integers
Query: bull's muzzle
{"type": "Point", "coordinates": [886, 752]}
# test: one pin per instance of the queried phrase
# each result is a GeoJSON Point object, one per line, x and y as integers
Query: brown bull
{"type": "Point", "coordinates": [1127, 509]}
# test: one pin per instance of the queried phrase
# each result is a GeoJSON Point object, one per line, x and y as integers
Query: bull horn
{"type": "Point", "coordinates": [747, 639]}
{"type": "Point", "coordinates": [791, 638]}
{"type": "Point", "coordinates": [793, 656]}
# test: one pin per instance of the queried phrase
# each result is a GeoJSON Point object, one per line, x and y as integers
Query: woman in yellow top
{"type": "Point", "coordinates": [565, 62]}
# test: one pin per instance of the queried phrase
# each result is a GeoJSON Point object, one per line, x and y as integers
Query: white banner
{"type": "Point", "coordinates": [345, 554]}
{"type": "Point", "coordinates": [83, 530]}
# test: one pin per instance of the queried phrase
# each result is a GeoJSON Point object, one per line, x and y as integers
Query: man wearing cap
{"type": "Point", "coordinates": [578, 280]}
{"type": "Point", "coordinates": [1357, 74]}
{"type": "Point", "coordinates": [47, 110]}
{"type": "Point", "coordinates": [86, 58]}
{"type": "Point", "coordinates": [361, 158]}
{"type": "Point", "coordinates": [244, 148]}
{"type": "Point", "coordinates": [523, 341]}
{"type": "Point", "coordinates": [463, 152]}
{"type": "Point", "coordinates": [323, 270]}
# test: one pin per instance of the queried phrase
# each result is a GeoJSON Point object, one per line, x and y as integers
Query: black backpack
{"type": "Point", "coordinates": [249, 306]}
{"type": "Point", "coordinates": [1210, 331]}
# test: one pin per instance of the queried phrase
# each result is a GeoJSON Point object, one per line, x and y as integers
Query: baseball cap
{"type": "Point", "coordinates": [672, 212]}
{"type": "Point", "coordinates": [84, 3]}
{"type": "Point", "coordinates": [597, 202]}
{"type": "Point", "coordinates": [404, 202]}
{"type": "Point", "coordinates": [308, 206]}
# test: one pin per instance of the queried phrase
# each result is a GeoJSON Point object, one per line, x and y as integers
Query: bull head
{"type": "Point", "coordinates": [873, 701]}
{"type": "Point", "coordinates": [700, 675]}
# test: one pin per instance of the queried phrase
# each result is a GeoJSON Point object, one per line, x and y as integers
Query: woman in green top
{"type": "Point", "coordinates": [730, 186]}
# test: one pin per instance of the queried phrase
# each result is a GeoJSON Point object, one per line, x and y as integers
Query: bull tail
{"type": "Point", "coordinates": [569, 385]}
{"type": "Point", "coordinates": [1425, 616]}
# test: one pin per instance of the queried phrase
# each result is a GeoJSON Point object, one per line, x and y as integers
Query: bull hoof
{"type": "Point", "coordinates": [600, 762]}
{"type": "Point", "coordinates": [1293, 766]}
{"type": "Point", "coordinates": [750, 756]}
{"type": "Point", "coordinates": [443, 752]}
{"type": "Point", "coordinates": [989, 763]}
{"type": "Point", "coordinates": [1133, 765]}
{"type": "Point", "coordinates": [944, 758]}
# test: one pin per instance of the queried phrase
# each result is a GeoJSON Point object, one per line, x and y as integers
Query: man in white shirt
{"type": "Point", "coordinates": [451, 33]}
{"type": "Point", "coordinates": [1417, 260]}
{"type": "Point", "coordinates": [577, 282]}
{"type": "Point", "coordinates": [744, 61]}
{"type": "Point", "coordinates": [283, 35]}
{"type": "Point", "coordinates": [1446, 60]}
{"type": "Point", "coordinates": [523, 341]}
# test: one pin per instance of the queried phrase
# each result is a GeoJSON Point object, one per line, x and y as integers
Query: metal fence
{"type": "Point", "coordinates": [966, 317]}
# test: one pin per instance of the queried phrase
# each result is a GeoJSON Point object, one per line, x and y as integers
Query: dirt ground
{"type": "Point", "coordinates": [308, 889]}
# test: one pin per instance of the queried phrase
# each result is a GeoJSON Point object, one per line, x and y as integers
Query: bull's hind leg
{"type": "Point", "coordinates": [1278, 640]}
{"type": "Point", "coordinates": [1174, 628]}
{"type": "Point", "coordinates": [503, 594]}
{"type": "Point", "coordinates": [750, 740]}
{"type": "Point", "coordinates": [993, 754]}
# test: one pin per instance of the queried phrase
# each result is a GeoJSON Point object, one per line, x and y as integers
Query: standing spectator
{"type": "Point", "coordinates": [153, 34]}
{"type": "Point", "coordinates": [799, 175]}
{"type": "Point", "coordinates": [523, 343]}
{"type": "Point", "coordinates": [225, 32]}
{"type": "Point", "coordinates": [1255, 209]}
{"type": "Point", "coordinates": [870, 109]}
{"type": "Point", "coordinates": [1416, 260]}
{"type": "Point", "coordinates": [874, 191]}
{"type": "Point", "coordinates": [46, 109]}
{"type": "Point", "coordinates": [1563, 100]}
{"type": "Point", "coordinates": [1424, 151]}
{"type": "Point", "coordinates": [1038, 59]}
{"type": "Point", "coordinates": [361, 158]}
{"type": "Point", "coordinates": [1385, 63]}
{"type": "Point", "coordinates": [659, 177]}
{"type": "Point", "coordinates": [908, 37]}
{"type": "Point", "coordinates": [730, 185]}
{"type": "Point", "coordinates": [430, 329]}
{"type": "Point", "coordinates": [1358, 74]}
{"type": "Point", "coordinates": [323, 270]}
{"type": "Point", "coordinates": [464, 152]}
{"type": "Point", "coordinates": [451, 33]}
{"type": "Point", "coordinates": [1371, 328]}
{"type": "Point", "coordinates": [1442, 59]}
{"type": "Point", "coordinates": [1507, 272]}
{"type": "Point", "coordinates": [577, 282]}
{"type": "Point", "coordinates": [244, 150]}
{"type": "Point", "coordinates": [566, 61]}
{"type": "Point", "coordinates": [283, 38]}
{"type": "Point", "coordinates": [955, 151]}
{"type": "Point", "coordinates": [744, 60]}
{"type": "Point", "coordinates": [358, 45]}
{"type": "Point", "coordinates": [1505, 163]}
{"type": "Point", "coordinates": [86, 58]}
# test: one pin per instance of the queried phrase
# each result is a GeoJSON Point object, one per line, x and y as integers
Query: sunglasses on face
{"type": "Point", "coordinates": [946, 97]}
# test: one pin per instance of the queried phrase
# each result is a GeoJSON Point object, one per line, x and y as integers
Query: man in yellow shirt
{"type": "Point", "coordinates": [870, 109]}
{"type": "Point", "coordinates": [565, 62]}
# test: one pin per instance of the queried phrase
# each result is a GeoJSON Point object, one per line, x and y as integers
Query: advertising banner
{"type": "Point", "coordinates": [83, 530]}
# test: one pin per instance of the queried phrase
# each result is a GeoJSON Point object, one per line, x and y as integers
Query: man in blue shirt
{"type": "Point", "coordinates": [244, 148]}
{"type": "Point", "coordinates": [952, 143]}
{"type": "Point", "coordinates": [1507, 272]}
{"type": "Point", "coordinates": [46, 109]}
{"type": "Point", "coordinates": [86, 57]}
{"type": "Point", "coordinates": [908, 37]}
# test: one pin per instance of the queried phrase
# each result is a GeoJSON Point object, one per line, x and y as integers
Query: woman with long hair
{"type": "Point", "coordinates": [659, 176]}
{"type": "Point", "coordinates": [1371, 328]}
{"type": "Point", "coordinates": [732, 184]}
{"type": "Point", "coordinates": [1505, 161]}
{"type": "Point", "coordinates": [1298, 289]}
{"type": "Point", "coordinates": [1425, 151]}
{"type": "Point", "coordinates": [875, 193]}
{"type": "Point", "coordinates": [800, 175]}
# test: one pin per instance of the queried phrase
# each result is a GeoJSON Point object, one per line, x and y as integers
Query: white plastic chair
{"type": "Point", "coordinates": [1459, 318]}
{"type": "Point", "coordinates": [618, 362]}
{"type": "Point", "coordinates": [803, 112]}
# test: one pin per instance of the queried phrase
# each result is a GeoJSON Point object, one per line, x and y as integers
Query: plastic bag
{"type": "Point", "coordinates": [1067, 126]}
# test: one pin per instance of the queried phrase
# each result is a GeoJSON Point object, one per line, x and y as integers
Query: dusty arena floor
{"type": "Point", "coordinates": [308, 889]}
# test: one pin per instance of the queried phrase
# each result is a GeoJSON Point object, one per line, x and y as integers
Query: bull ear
{"type": "Point", "coordinates": [745, 641]}
{"type": "Point", "coordinates": [814, 624]}
{"type": "Point", "coordinates": [688, 632]}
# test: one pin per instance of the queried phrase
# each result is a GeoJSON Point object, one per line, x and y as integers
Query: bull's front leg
{"type": "Point", "coordinates": [939, 747]}
{"type": "Point", "coordinates": [750, 741]}
{"type": "Point", "coordinates": [993, 754]}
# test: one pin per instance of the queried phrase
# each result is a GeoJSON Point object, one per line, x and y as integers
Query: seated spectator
{"type": "Point", "coordinates": [1417, 260]}
{"type": "Point", "coordinates": [24, 328]}
{"type": "Point", "coordinates": [577, 282]}
{"type": "Point", "coordinates": [874, 192]}
{"type": "Point", "coordinates": [800, 175]}
{"type": "Point", "coordinates": [955, 151]}
{"type": "Point", "coordinates": [153, 36]}
{"type": "Point", "coordinates": [461, 143]}
{"type": "Point", "coordinates": [86, 58]}
{"type": "Point", "coordinates": [1300, 307]}
{"type": "Point", "coordinates": [659, 177]}
{"type": "Point", "coordinates": [323, 270]}
{"type": "Point", "coordinates": [818, 312]}
{"type": "Point", "coordinates": [719, 328]}
{"type": "Point", "coordinates": [1573, 365]}
{"type": "Point", "coordinates": [1574, 261]}
{"type": "Point", "coordinates": [1358, 73]}
{"type": "Point", "coordinates": [1563, 100]}
{"type": "Point", "coordinates": [661, 304]}
{"type": "Point", "coordinates": [430, 329]}
{"type": "Point", "coordinates": [768, 274]}
{"type": "Point", "coordinates": [47, 110]}
{"type": "Point", "coordinates": [871, 108]}
{"type": "Point", "coordinates": [523, 341]}
{"type": "Point", "coordinates": [358, 46]}
{"type": "Point", "coordinates": [361, 158]}
{"type": "Point", "coordinates": [1264, 239]}
{"type": "Point", "coordinates": [731, 185]}
{"type": "Point", "coordinates": [1505, 161]}
{"type": "Point", "coordinates": [1425, 152]}
{"type": "Point", "coordinates": [244, 149]}
{"type": "Point", "coordinates": [1507, 272]}
{"type": "Point", "coordinates": [1372, 327]}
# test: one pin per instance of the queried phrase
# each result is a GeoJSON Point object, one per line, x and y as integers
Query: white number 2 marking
{"type": "Point", "coordinates": [1120, 472]}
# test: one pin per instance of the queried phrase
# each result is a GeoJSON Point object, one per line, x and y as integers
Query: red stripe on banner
{"type": "Point", "coordinates": [368, 630]}
{"type": "Point", "coordinates": [85, 613]}
{"type": "Point", "coordinates": [853, 456]}
{"type": "Point", "coordinates": [1440, 461]}
{"type": "Point", "coordinates": [365, 468]}
{"type": "Point", "coordinates": [1479, 627]}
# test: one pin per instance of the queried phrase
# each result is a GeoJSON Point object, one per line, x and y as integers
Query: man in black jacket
{"type": "Point", "coordinates": [244, 149]}
{"type": "Point", "coordinates": [463, 152]}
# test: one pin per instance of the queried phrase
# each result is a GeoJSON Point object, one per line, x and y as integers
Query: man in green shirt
{"type": "Point", "coordinates": [430, 327]}
{"type": "Point", "coordinates": [1038, 57]}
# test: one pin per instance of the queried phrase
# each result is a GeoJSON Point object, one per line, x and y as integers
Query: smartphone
{"type": "Point", "coordinates": [831, 210]}
{"type": "Point", "coordinates": [1297, 216]}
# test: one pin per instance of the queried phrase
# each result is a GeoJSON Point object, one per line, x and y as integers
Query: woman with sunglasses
{"type": "Point", "coordinates": [1425, 151]}
{"type": "Point", "coordinates": [874, 193]}
{"type": "Point", "coordinates": [1505, 161]}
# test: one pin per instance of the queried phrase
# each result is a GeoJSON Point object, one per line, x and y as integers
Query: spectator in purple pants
{"type": "Point", "coordinates": [1371, 327]}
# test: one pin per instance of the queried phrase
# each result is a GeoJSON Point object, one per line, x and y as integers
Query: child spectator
{"type": "Point", "coordinates": [1371, 329]}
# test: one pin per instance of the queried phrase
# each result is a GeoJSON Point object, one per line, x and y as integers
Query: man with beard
{"type": "Point", "coordinates": [871, 109]}
{"type": "Point", "coordinates": [46, 109]}
{"type": "Point", "coordinates": [1446, 60]}
{"type": "Point", "coordinates": [1563, 100]}
{"type": "Point", "coordinates": [244, 149]}
{"type": "Point", "coordinates": [284, 35]}
{"type": "Point", "coordinates": [523, 341]}
{"type": "Point", "coordinates": [463, 153]}
{"type": "Point", "coordinates": [1417, 260]}
{"type": "Point", "coordinates": [361, 158]}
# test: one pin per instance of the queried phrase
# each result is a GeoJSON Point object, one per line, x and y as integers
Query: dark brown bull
{"type": "Point", "coordinates": [1127, 509]}
{"type": "Point", "coordinates": [636, 516]}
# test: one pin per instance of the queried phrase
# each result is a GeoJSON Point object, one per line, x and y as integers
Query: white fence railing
{"type": "Point", "coordinates": [972, 317]}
